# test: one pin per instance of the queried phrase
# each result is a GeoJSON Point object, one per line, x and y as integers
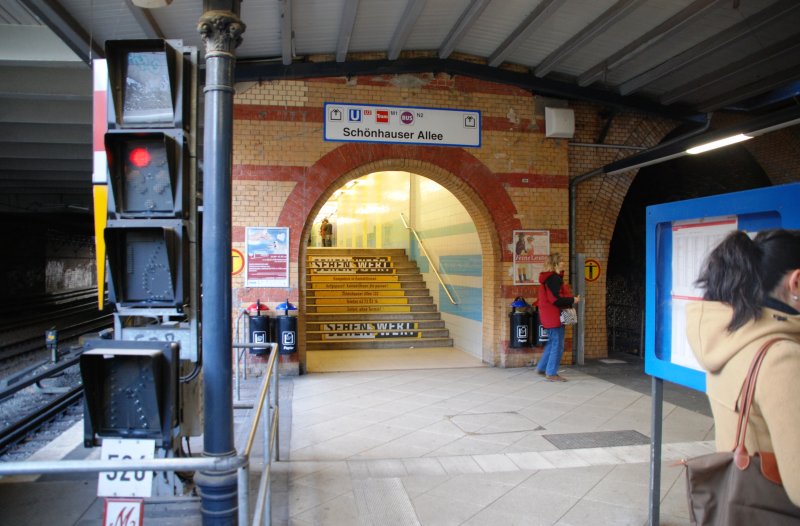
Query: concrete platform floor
{"type": "Point", "coordinates": [451, 443]}
{"type": "Point", "coordinates": [477, 446]}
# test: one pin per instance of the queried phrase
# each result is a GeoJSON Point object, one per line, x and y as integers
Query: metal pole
{"type": "Point", "coordinates": [657, 395]}
{"type": "Point", "coordinates": [579, 330]}
{"type": "Point", "coordinates": [221, 29]}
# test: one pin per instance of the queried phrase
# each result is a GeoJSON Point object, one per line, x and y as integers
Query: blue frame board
{"type": "Point", "coordinates": [763, 208]}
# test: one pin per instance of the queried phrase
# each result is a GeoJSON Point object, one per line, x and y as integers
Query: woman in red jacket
{"type": "Point", "coordinates": [553, 296]}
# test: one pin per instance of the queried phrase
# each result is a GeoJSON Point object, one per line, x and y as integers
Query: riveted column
{"type": "Point", "coordinates": [221, 30]}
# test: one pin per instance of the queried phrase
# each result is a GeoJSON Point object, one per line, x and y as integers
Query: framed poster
{"type": "Point", "coordinates": [531, 248]}
{"type": "Point", "coordinates": [267, 259]}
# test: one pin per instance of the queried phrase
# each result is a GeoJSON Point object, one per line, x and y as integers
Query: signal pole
{"type": "Point", "coordinates": [221, 30]}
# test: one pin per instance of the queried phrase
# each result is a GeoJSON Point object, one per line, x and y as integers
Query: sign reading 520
{"type": "Point", "coordinates": [126, 483]}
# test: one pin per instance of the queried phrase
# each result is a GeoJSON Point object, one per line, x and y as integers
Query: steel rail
{"type": "Point", "coordinates": [425, 253]}
{"type": "Point", "coordinates": [23, 427]}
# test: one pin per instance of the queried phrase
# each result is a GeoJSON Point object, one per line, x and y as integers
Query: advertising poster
{"type": "Point", "coordinates": [531, 248]}
{"type": "Point", "coordinates": [267, 257]}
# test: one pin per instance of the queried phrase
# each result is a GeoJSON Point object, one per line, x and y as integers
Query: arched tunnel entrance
{"type": "Point", "coordinates": [723, 171]}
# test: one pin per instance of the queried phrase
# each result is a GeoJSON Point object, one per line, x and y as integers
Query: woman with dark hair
{"type": "Point", "coordinates": [553, 296]}
{"type": "Point", "coordinates": [752, 295]}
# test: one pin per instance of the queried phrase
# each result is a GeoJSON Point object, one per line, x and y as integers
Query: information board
{"type": "Point", "coordinates": [679, 236]}
{"type": "Point", "coordinates": [402, 125]}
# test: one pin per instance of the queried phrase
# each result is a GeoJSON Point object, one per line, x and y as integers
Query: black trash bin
{"type": "Point", "coordinates": [286, 329]}
{"type": "Point", "coordinates": [520, 324]}
{"type": "Point", "coordinates": [538, 333]}
{"type": "Point", "coordinates": [260, 330]}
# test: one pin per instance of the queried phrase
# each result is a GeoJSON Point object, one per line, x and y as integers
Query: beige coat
{"type": "Point", "coordinates": [775, 416]}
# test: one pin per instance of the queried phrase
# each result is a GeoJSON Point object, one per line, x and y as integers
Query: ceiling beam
{"type": "Point", "coordinates": [674, 149]}
{"type": "Point", "coordinates": [44, 188]}
{"type": "Point", "coordinates": [735, 70]}
{"type": "Point", "coordinates": [287, 34]}
{"type": "Point", "coordinates": [79, 135]}
{"type": "Point", "coordinates": [407, 21]}
{"type": "Point", "coordinates": [260, 71]}
{"type": "Point", "coordinates": [536, 18]}
{"type": "Point", "coordinates": [463, 25]}
{"type": "Point", "coordinates": [598, 26]}
{"type": "Point", "coordinates": [346, 29]}
{"type": "Point", "coordinates": [28, 150]}
{"type": "Point", "coordinates": [752, 89]}
{"type": "Point", "coordinates": [661, 31]}
{"type": "Point", "coordinates": [46, 111]}
{"type": "Point", "coordinates": [28, 164]}
{"type": "Point", "coordinates": [66, 27]}
{"type": "Point", "coordinates": [46, 177]}
{"type": "Point", "coordinates": [74, 84]}
{"type": "Point", "coordinates": [709, 45]}
{"type": "Point", "coordinates": [145, 20]}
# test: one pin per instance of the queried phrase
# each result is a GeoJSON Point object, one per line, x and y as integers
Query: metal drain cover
{"type": "Point", "coordinates": [493, 423]}
{"type": "Point", "coordinates": [626, 437]}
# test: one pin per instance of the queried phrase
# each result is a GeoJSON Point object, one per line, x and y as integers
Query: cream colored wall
{"type": "Point", "coordinates": [365, 212]}
{"type": "Point", "coordinates": [453, 246]}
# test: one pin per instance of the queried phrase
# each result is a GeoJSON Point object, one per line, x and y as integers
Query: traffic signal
{"type": "Point", "coordinates": [145, 158]}
{"type": "Point", "coordinates": [149, 145]}
{"type": "Point", "coordinates": [131, 390]}
{"type": "Point", "coordinates": [148, 174]}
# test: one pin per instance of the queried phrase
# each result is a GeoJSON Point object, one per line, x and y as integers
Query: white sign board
{"type": "Point", "coordinates": [126, 483]}
{"type": "Point", "coordinates": [123, 512]}
{"type": "Point", "coordinates": [402, 125]}
{"type": "Point", "coordinates": [692, 241]}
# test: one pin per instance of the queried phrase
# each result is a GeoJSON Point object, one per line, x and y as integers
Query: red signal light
{"type": "Point", "coordinates": [139, 157]}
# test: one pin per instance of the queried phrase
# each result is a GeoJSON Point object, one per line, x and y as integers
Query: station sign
{"type": "Point", "coordinates": [402, 125]}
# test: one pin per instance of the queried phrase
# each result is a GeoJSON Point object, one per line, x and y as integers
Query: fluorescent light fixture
{"type": "Point", "coordinates": [713, 145]}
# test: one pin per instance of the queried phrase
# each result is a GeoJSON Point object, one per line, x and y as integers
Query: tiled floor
{"type": "Point", "coordinates": [467, 446]}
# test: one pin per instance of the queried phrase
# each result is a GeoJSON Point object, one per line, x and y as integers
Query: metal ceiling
{"type": "Point", "coordinates": [674, 57]}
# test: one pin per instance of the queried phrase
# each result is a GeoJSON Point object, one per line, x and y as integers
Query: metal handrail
{"type": "Point", "coordinates": [262, 511]}
{"type": "Point", "coordinates": [425, 253]}
{"type": "Point", "coordinates": [239, 462]}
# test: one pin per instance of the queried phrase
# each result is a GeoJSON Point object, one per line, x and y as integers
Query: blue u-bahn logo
{"type": "Point", "coordinates": [354, 115]}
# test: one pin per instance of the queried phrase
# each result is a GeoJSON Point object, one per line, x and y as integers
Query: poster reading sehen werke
{"type": "Point", "coordinates": [267, 257]}
{"type": "Point", "coordinates": [531, 248]}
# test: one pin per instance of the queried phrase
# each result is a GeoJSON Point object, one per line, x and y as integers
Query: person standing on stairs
{"type": "Point", "coordinates": [326, 233]}
{"type": "Point", "coordinates": [554, 295]}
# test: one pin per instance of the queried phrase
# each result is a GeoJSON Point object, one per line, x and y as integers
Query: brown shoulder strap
{"type": "Point", "coordinates": [748, 392]}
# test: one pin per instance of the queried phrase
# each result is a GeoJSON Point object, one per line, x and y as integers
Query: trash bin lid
{"type": "Point", "coordinates": [519, 302]}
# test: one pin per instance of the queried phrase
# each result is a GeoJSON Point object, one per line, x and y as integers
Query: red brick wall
{"type": "Point", "coordinates": [284, 172]}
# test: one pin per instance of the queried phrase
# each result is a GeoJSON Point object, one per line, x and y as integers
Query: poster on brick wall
{"type": "Point", "coordinates": [267, 259]}
{"type": "Point", "coordinates": [531, 248]}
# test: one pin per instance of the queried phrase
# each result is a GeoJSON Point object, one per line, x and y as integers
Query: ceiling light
{"type": "Point", "coordinates": [733, 139]}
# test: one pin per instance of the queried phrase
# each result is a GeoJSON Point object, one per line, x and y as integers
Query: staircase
{"type": "Point", "coordinates": [369, 299]}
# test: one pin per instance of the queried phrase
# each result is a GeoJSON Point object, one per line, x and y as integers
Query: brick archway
{"type": "Point", "coordinates": [475, 186]}
{"type": "Point", "coordinates": [599, 200]}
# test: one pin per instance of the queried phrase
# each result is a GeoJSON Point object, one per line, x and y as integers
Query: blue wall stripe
{"type": "Point", "coordinates": [461, 265]}
{"type": "Point", "coordinates": [450, 230]}
{"type": "Point", "coordinates": [469, 300]}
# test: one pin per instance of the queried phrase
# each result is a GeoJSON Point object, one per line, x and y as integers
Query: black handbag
{"type": "Point", "coordinates": [733, 488]}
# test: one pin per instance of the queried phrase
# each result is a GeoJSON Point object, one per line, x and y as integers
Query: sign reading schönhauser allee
{"type": "Point", "coordinates": [404, 125]}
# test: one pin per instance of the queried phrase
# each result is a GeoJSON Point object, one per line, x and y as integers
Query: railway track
{"type": "Point", "coordinates": [73, 314]}
{"type": "Point", "coordinates": [32, 399]}
{"type": "Point", "coordinates": [36, 393]}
